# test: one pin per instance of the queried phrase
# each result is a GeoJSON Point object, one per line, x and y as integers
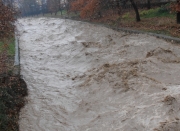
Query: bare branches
{"type": "Point", "coordinates": [7, 19]}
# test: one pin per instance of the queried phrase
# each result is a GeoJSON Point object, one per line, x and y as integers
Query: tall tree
{"type": "Point", "coordinates": [29, 7]}
{"type": "Point", "coordinates": [60, 7]}
{"type": "Point", "coordinates": [53, 6]}
{"type": "Point", "coordinates": [178, 11]}
{"type": "Point", "coordinates": [148, 4]}
{"type": "Point", "coordinates": [136, 10]}
{"type": "Point", "coordinates": [44, 6]}
{"type": "Point", "coordinates": [176, 8]}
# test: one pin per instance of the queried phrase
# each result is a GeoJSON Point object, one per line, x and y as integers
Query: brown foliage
{"type": "Point", "coordinates": [53, 6]}
{"type": "Point", "coordinates": [91, 8]}
{"type": "Point", "coordinates": [7, 19]}
{"type": "Point", "coordinates": [78, 5]}
{"type": "Point", "coordinates": [175, 7]}
{"type": "Point", "coordinates": [96, 8]}
{"type": "Point", "coordinates": [88, 8]}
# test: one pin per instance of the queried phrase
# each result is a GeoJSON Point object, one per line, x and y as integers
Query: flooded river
{"type": "Point", "coordinates": [84, 77]}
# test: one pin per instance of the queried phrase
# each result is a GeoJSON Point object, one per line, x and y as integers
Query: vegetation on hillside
{"type": "Point", "coordinates": [12, 93]}
{"type": "Point", "coordinates": [12, 88]}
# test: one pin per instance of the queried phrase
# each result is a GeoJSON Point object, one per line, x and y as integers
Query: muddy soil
{"type": "Point", "coordinates": [83, 77]}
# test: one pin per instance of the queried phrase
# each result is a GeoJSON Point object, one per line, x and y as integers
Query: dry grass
{"type": "Point", "coordinates": [162, 25]}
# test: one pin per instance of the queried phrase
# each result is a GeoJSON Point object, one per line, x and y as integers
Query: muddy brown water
{"type": "Point", "coordinates": [83, 77]}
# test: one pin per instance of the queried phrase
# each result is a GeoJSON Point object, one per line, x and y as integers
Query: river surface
{"type": "Point", "coordinates": [84, 77]}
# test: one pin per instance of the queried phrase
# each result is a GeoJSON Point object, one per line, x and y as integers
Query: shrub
{"type": "Point", "coordinates": [12, 92]}
{"type": "Point", "coordinates": [163, 11]}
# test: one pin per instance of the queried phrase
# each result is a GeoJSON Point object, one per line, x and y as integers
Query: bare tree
{"type": "Point", "coordinates": [148, 4]}
{"type": "Point", "coordinates": [178, 11]}
{"type": "Point", "coordinates": [136, 10]}
{"type": "Point", "coordinates": [53, 6]}
{"type": "Point", "coordinates": [29, 7]}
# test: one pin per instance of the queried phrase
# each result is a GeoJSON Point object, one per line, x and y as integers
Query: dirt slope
{"type": "Point", "coordinates": [83, 77]}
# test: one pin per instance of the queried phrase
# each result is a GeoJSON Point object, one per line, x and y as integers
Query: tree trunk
{"type": "Point", "coordinates": [119, 8]}
{"type": "Point", "coordinates": [99, 14]}
{"type": "Point", "coordinates": [60, 7]}
{"type": "Point", "coordinates": [178, 17]}
{"type": "Point", "coordinates": [178, 13]}
{"type": "Point", "coordinates": [148, 4]}
{"type": "Point", "coordinates": [136, 10]}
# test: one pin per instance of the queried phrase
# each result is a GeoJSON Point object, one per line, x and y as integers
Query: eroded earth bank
{"type": "Point", "coordinates": [83, 77]}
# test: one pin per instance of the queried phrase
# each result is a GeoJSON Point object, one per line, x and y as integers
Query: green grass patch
{"type": "Point", "coordinates": [11, 47]}
{"type": "Point", "coordinates": [157, 12]}
{"type": "Point", "coordinates": [64, 12]}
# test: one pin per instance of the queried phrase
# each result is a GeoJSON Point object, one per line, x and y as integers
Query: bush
{"type": "Point", "coordinates": [163, 11]}
{"type": "Point", "coordinates": [12, 92]}
{"type": "Point", "coordinates": [164, 8]}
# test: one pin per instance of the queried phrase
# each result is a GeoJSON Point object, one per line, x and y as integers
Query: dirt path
{"type": "Point", "coordinates": [83, 77]}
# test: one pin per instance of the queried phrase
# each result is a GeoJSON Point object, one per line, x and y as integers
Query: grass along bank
{"type": "Point", "coordinates": [7, 53]}
{"type": "Point", "coordinates": [10, 48]}
{"type": "Point", "coordinates": [157, 20]}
